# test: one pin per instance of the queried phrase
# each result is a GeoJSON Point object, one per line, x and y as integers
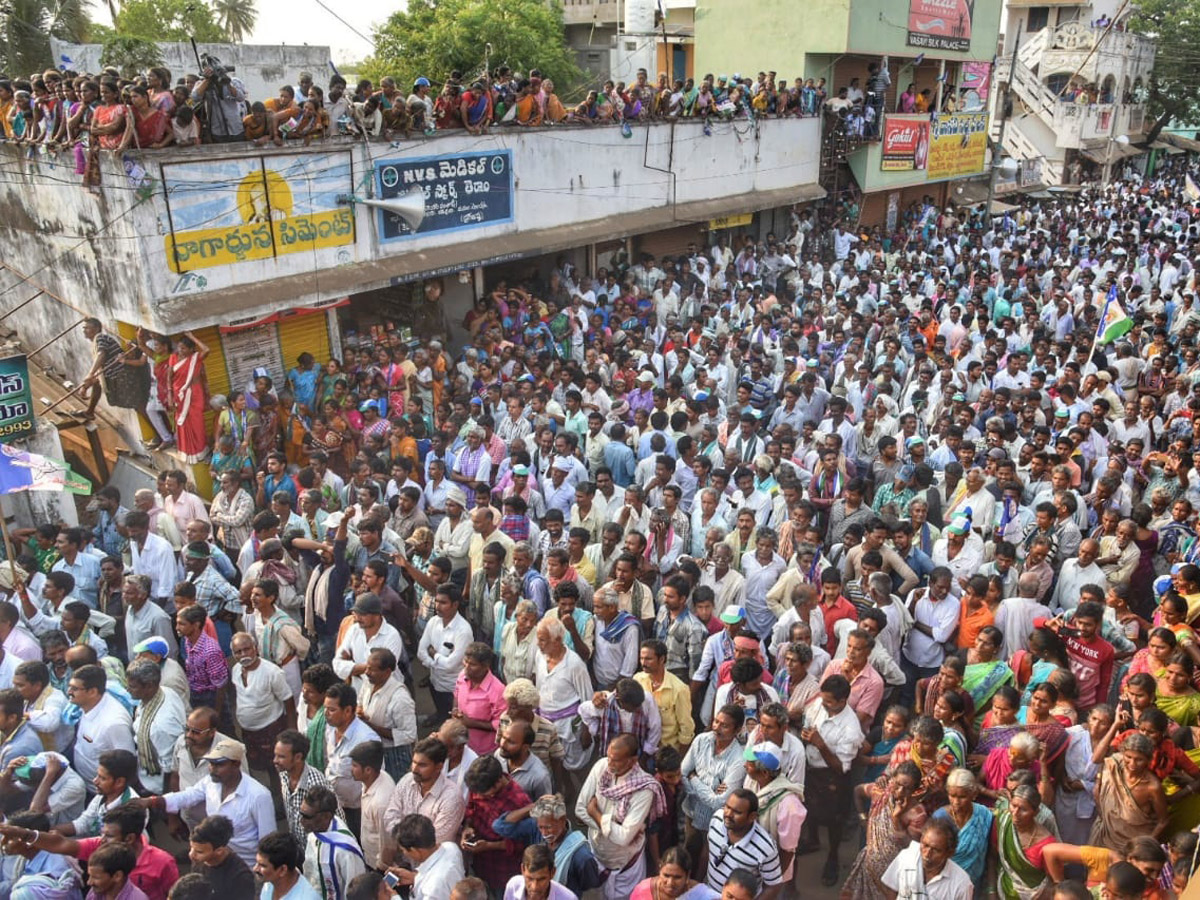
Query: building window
{"type": "Point", "coordinates": [1038, 18]}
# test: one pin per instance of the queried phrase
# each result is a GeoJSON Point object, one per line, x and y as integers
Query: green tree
{"type": "Point", "coordinates": [434, 37]}
{"type": "Point", "coordinates": [130, 55]}
{"type": "Point", "coordinates": [26, 27]}
{"type": "Point", "coordinates": [236, 18]}
{"type": "Point", "coordinates": [168, 20]}
{"type": "Point", "coordinates": [1172, 91]}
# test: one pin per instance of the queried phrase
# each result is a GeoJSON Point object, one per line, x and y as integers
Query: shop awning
{"type": "Point", "coordinates": [392, 270]}
{"type": "Point", "coordinates": [1179, 142]}
{"type": "Point", "coordinates": [1111, 152]}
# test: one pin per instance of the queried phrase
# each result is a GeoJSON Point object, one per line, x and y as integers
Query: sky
{"type": "Point", "coordinates": [300, 22]}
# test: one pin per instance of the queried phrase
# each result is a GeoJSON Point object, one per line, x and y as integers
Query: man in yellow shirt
{"type": "Point", "coordinates": [671, 696]}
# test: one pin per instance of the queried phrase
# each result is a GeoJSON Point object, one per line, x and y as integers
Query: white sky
{"type": "Point", "coordinates": [305, 22]}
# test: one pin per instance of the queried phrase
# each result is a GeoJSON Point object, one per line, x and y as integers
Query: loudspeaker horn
{"type": "Point", "coordinates": [410, 207]}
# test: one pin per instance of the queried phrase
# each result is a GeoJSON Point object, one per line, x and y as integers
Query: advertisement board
{"type": "Point", "coordinates": [16, 399]}
{"type": "Point", "coordinates": [957, 146]}
{"type": "Point", "coordinates": [939, 24]}
{"type": "Point", "coordinates": [463, 190]}
{"type": "Point", "coordinates": [226, 211]}
{"type": "Point", "coordinates": [905, 143]}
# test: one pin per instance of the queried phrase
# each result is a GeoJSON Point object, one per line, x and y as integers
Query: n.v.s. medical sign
{"type": "Point", "coordinates": [462, 190]}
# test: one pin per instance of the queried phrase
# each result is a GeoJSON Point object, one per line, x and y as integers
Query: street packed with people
{"type": "Point", "coordinates": [874, 547]}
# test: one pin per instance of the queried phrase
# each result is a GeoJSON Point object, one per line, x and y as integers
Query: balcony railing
{"type": "Point", "coordinates": [586, 12]}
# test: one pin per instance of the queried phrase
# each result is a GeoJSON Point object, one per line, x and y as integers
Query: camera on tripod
{"type": "Point", "coordinates": [220, 73]}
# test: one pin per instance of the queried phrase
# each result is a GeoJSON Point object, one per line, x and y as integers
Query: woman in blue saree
{"type": "Point", "coordinates": [973, 820]}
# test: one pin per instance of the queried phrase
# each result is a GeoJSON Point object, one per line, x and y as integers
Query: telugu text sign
{"type": "Point", "coordinates": [16, 399]}
{"type": "Point", "coordinates": [905, 143]}
{"type": "Point", "coordinates": [957, 146]}
{"type": "Point", "coordinates": [463, 190]}
{"type": "Point", "coordinates": [939, 24]}
{"type": "Point", "coordinates": [229, 211]}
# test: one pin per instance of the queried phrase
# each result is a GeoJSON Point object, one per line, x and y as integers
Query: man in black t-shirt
{"type": "Point", "coordinates": [230, 877]}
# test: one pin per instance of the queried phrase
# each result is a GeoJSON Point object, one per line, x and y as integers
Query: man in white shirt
{"type": "Point", "coordinates": [227, 792]}
{"type": "Point", "coordinates": [332, 856]}
{"type": "Point", "coordinates": [105, 725]}
{"type": "Point", "coordinates": [832, 735]}
{"type": "Point", "coordinates": [368, 632]}
{"type": "Point", "coordinates": [144, 618]}
{"type": "Point", "coordinates": [935, 616]}
{"type": "Point", "coordinates": [344, 731]}
{"type": "Point", "coordinates": [439, 867]}
{"type": "Point", "coordinates": [152, 556]}
{"type": "Point", "coordinates": [265, 704]}
{"type": "Point", "coordinates": [925, 870]}
{"type": "Point", "coordinates": [1075, 573]}
{"type": "Point", "coordinates": [157, 723]}
{"type": "Point", "coordinates": [443, 646]}
{"type": "Point", "coordinates": [618, 845]}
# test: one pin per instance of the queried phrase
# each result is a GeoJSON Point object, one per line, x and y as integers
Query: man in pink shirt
{"type": "Point", "coordinates": [180, 504]}
{"type": "Point", "coordinates": [479, 698]}
{"type": "Point", "coordinates": [866, 685]}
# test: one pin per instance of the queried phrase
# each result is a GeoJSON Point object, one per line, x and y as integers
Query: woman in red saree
{"type": "Point", "coordinates": [189, 396]}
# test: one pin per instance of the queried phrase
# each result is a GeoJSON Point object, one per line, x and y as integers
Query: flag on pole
{"type": "Point", "coordinates": [24, 471]}
{"type": "Point", "coordinates": [1191, 191]}
{"type": "Point", "coordinates": [1113, 321]}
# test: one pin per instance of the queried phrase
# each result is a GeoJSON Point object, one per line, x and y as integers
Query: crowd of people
{"type": "Point", "coordinates": [672, 574]}
{"type": "Point", "coordinates": [106, 111]}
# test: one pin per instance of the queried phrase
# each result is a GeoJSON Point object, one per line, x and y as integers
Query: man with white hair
{"type": "Point", "coordinates": [563, 683]}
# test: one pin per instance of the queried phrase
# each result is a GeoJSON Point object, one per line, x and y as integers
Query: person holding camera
{"type": "Point", "coordinates": [222, 96]}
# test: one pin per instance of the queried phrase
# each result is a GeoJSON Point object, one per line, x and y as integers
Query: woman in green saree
{"type": "Point", "coordinates": [984, 672]}
{"type": "Point", "coordinates": [1020, 841]}
{"type": "Point", "coordinates": [1176, 696]}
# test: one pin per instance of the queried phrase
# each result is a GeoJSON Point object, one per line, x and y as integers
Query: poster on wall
{"type": "Point", "coordinates": [246, 349]}
{"type": "Point", "coordinates": [976, 82]}
{"type": "Point", "coordinates": [16, 399]}
{"type": "Point", "coordinates": [893, 211]}
{"type": "Point", "coordinates": [940, 24]}
{"type": "Point", "coordinates": [905, 143]}
{"type": "Point", "coordinates": [957, 146]}
{"type": "Point", "coordinates": [463, 190]}
{"type": "Point", "coordinates": [226, 211]}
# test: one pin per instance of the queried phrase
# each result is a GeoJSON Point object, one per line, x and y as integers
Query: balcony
{"type": "Point", "coordinates": [588, 12]}
{"type": "Point", "coordinates": [1068, 48]}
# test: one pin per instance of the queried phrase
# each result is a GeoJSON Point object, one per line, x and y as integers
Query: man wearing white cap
{"type": "Point", "coordinates": [717, 650]}
{"type": "Point", "coordinates": [453, 536]}
{"type": "Point", "coordinates": [560, 493]}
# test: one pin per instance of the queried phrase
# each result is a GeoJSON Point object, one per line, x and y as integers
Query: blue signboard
{"type": "Point", "coordinates": [462, 190]}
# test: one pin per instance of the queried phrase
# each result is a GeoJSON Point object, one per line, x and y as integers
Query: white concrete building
{"type": "Point", "coordinates": [1065, 47]}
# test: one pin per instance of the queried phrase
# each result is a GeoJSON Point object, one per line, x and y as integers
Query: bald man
{"type": "Point", "coordinates": [1015, 616]}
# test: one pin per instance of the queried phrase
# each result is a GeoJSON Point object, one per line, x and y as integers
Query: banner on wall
{"type": "Point", "coordinates": [957, 146]}
{"type": "Point", "coordinates": [939, 24]}
{"type": "Point", "coordinates": [905, 143]}
{"type": "Point", "coordinates": [463, 190]}
{"type": "Point", "coordinates": [976, 82]}
{"type": "Point", "coordinates": [226, 211]}
{"type": "Point", "coordinates": [16, 399]}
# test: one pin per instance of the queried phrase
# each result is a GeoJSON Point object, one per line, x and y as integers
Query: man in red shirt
{"type": "Point", "coordinates": [155, 871]}
{"type": "Point", "coordinates": [1089, 655]}
{"type": "Point", "coordinates": [834, 606]}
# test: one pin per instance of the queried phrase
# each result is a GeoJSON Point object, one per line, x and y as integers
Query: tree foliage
{"type": "Point", "coordinates": [168, 20]}
{"type": "Point", "coordinates": [434, 37]}
{"type": "Point", "coordinates": [130, 55]}
{"type": "Point", "coordinates": [26, 27]}
{"type": "Point", "coordinates": [236, 18]}
{"type": "Point", "coordinates": [1173, 84]}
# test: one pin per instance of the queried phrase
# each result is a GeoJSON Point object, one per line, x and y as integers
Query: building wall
{"type": "Point", "coordinates": [105, 253]}
{"type": "Point", "coordinates": [737, 36]}
{"type": "Point", "coordinates": [261, 68]}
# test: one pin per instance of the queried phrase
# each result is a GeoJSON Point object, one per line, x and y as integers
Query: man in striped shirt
{"type": "Point", "coordinates": [737, 841]}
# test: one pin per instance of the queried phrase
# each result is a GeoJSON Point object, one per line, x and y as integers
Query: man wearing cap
{"type": "Point", "coordinates": [156, 652]}
{"type": "Point", "coordinates": [226, 792]}
{"type": "Point", "coordinates": [718, 650]}
{"type": "Point", "coordinates": [781, 811]}
{"type": "Point", "coordinates": [219, 598]}
{"type": "Point", "coordinates": [368, 632]}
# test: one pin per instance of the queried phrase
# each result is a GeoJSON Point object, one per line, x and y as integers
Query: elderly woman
{"type": "Point", "coordinates": [1023, 753]}
{"type": "Point", "coordinates": [1074, 803]}
{"type": "Point", "coordinates": [895, 819]}
{"type": "Point", "coordinates": [1130, 800]}
{"type": "Point", "coordinates": [973, 821]}
{"type": "Point", "coordinates": [518, 642]}
{"type": "Point", "coordinates": [1020, 841]}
